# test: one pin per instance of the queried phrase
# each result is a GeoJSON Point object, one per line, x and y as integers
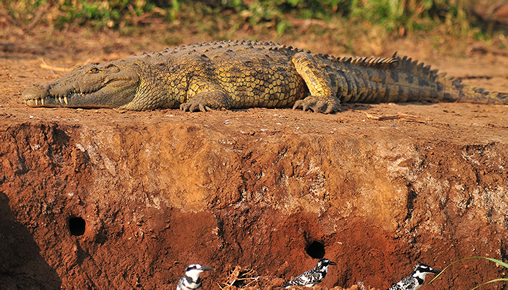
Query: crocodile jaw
{"type": "Point", "coordinates": [92, 86]}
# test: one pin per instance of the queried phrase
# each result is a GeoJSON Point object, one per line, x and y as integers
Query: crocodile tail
{"type": "Point", "coordinates": [418, 69]}
{"type": "Point", "coordinates": [447, 88]}
{"type": "Point", "coordinates": [454, 90]}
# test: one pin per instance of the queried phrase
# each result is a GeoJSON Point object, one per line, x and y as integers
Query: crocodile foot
{"type": "Point", "coordinates": [205, 101]}
{"type": "Point", "coordinates": [194, 107]}
{"type": "Point", "coordinates": [328, 105]}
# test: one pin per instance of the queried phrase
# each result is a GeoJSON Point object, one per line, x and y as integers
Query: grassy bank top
{"type": "Point", "coordinates": [348, 21]}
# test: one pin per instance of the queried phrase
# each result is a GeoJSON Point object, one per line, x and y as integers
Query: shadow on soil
{"type": "Point", "coordinates": [22, 266]}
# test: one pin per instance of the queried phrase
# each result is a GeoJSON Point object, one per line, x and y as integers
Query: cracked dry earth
{"type": "Point", "coordinates": [108, 199]}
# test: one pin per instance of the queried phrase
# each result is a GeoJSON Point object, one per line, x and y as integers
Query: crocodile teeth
{"type": "Point", "coordinates": [42, 102]}
{"type": "Point", "coordinates": [66, 101]}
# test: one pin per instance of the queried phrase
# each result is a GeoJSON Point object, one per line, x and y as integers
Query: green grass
{"type": "Point", "coordinates": [396, 16]}
{"type": "Point", "coordinates": [350, 26]}
{"type": "Point", "coordinates": [469, 258]}
{"type": "Point", "coordinates": [402, 16]}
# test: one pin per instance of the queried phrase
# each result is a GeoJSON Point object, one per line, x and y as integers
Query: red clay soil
{"type": "Point", "coordinates": [108, 199]}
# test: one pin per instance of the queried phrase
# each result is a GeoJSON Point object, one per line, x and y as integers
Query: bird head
{"type": "Point", "coordinates": [193, 270]}
{"type": "Point", "coordinates": [324, 263]}
{"type": "Point", "coordinates": [421, 270]}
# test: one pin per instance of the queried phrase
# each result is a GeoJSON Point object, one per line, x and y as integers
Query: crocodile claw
{"type": "Point", "coordinates": [328, 105]}
{"type": "Point", "coordinates": [194, 107]}
{"type": "Point", "coordinates": [205, 101]}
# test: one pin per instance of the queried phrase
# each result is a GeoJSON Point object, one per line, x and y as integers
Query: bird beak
{"type": "Point", "coordinates": [333, 263]}
{"type": "Point", "coordinates": [436, 271]}
{"type": "Point", "coordinates": [206, 268]}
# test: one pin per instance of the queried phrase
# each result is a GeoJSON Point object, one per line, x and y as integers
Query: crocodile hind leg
{"type": "Point", "coordinates": [322, 96]}
{"type": "Point", "coordinates": [204, 95]}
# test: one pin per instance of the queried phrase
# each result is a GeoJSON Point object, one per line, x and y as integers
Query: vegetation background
{"type": "Point", "coordinates": [355, 26]}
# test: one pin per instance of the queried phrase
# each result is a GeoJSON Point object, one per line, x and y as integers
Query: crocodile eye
{"type": "Point", "coordinates": [112, 68]}
{"type": "Point", "coordinates": [93, 70]}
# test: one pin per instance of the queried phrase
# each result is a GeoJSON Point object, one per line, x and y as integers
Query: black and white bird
{"type": "Point", "coordinates": [313, 276]}
{"type": "Point", "coordinates": [416, 280]}
{"type": "Point", "coordinates": [191, 279]}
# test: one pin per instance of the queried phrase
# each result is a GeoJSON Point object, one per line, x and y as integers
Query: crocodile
{"type": "Point", "coordinates": [245, 74]}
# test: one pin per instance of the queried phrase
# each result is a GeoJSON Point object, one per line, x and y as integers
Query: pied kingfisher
{"type": "Point", "coordinates": [191, 279]}
{"type": "Point", "coordinates": [313, 276]}
{"type": "Point", "coordinates": [416, 280]}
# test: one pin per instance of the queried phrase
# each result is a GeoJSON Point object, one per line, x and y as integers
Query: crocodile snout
{"type": "Point", "coordinates": [35, 95]}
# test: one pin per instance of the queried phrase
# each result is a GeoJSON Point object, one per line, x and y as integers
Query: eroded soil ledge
{"type": "Point", "coordinates": [120, 200]}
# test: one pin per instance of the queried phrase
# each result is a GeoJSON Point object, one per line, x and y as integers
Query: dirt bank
{"type": "Point", "coordinates": [112, 199]}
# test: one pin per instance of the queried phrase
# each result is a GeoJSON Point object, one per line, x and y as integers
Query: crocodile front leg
{"type": "Point", "coordinates": [204, 95]}
{"type": "Point", "coordinates": [322, 96]}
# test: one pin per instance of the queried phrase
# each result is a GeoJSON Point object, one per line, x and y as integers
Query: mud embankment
{"type": "Point", "coordinates": [126, 200]}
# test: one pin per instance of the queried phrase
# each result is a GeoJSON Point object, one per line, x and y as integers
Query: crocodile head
{"type": "Point", "coordinates": [108, 85]}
